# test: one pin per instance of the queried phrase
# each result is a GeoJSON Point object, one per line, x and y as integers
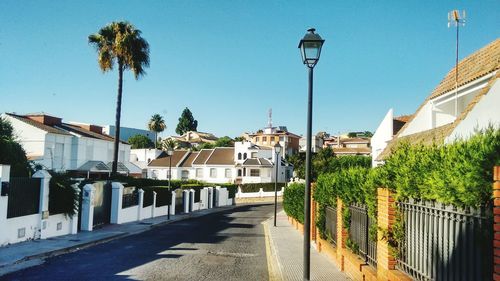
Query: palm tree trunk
{"type": "Point", "coordinates": [117, 119]}
{"type": "Point", "coordinates": [156, 139]}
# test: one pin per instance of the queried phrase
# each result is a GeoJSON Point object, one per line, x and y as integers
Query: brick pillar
{"type": "Point", "coordinates": [341, 234]}
{"type": "Point", "coordinates": [496, 225]}
{"type": "Point", "coordinates": [386, 218]}
{"type": "Point", "coordinates": [313, 214]}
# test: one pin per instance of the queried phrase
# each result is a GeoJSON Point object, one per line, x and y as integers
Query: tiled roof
{"type": "Point", "coordinates": [261, 162]}
{"type": "Point", "coordinates": [436, 135]}
{"type": "Point", "coordinates": [355, 140]}
{"type": "Point", "coordinates": [480, 63]}
{"type": "Point", "coordinates": [41, 126]}
{"type": "Point", "coordinates": [202, 156]}
{"type": "Point", "coordinates": [221, 156]}
{"type": "Point", "coordinates": [87, 133]}
{"type": "Point", "coordinates": [352, 150]}
{"type": "Point", "coordinates": [188, 161]}
{"type": "Point", "coordinates": [164, 160]}
{"type": "Point", "coordinates": [486, 60]}
{"type": "Point", "coordinates": [403, 118]}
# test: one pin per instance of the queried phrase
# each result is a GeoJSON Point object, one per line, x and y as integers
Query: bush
{"type": "Point", "coordinates": [63, 197]}
{"type": "Point", "coordinates": [141, 183]}
{"type": "Point", "coordinates": [293, 201]}
{"type": "Point", "coordinates": [255, 187]}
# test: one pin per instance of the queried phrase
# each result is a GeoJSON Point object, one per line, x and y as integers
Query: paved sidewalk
{"type": "Point", "coordinates": [287, 246]}
{"type": "Point", "coordinates": [30, 253]}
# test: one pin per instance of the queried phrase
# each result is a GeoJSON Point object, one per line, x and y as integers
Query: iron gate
{"type": "Point", "coordinates": [24, 197]}
{"type": "Point", "coordinates": [102, 203]}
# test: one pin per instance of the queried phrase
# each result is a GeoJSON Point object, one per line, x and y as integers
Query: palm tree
{"type": "Point", "coordinates": [122, 43]}
{"type": "Point", "coordinates": [157, 125]}
{"type": "Point", "coordinates": [169, 143]}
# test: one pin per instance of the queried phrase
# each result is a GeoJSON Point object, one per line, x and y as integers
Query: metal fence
{"type": "Point", "coordinates": [130, 198]}
{"type": "Point", "coordinates": [359, 233]}
{"type": "Point", "coordinates": [24, 197]}
{"type": "Point", "coordinates": [331, 224]}
{"type": "Point", "coordinates": [443, 242]}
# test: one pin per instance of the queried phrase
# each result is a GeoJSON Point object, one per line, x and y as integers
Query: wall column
{"type": "Point", "coordinates": [4, 199]}
{"type": "Point", "coordinates": [88, 207]}
{"type": "Point", "coordinates": [43, 210]}
{"type": "Point", "coordinates": [341, 234]}
{"type": "Point", "coordinates": [386, 219]}
{"type": "Point", "coordinates": [140, 204]}
{"type": "Point", "coordinates": [116, 202]}
{"type": "Point", "coordinates": [496, 223]}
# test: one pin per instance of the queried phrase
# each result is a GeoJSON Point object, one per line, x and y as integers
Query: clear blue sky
{"type": "Point", "coordinates": [230, 61]}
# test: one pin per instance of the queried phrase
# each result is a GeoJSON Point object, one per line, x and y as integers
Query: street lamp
{"type": "Point", "coordinates": [170, 152]}
{"type": "Point", "coordinates": [310, 49]}
{"type": "Point", "coordinates": [277, 162]}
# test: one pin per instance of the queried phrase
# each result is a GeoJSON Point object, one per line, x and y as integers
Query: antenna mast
{"type": "Point", "coordinates": [270, 119]}
{"type": "Point", "coordinates": [456, 19]}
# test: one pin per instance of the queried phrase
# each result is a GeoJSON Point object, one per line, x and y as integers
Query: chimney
{"type": "Point", "coordinates": [45, 119]}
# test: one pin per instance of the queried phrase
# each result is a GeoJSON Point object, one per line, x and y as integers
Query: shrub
{"type": "Point", "coordinates": [293, 201]}
{"type": "Point", "coordinates": [63, 197]}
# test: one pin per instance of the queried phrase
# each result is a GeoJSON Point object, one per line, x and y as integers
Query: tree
{"type": "Point", "coordinates": [238, 139]}
{"type": "Point", "coordinates": [168, 143]}
{"type": "Point", "coordinates": [11, 152]}
{"type": "Point", "coordinates": [157, 125]}
{"type": "Point", "coordinates": [122, 43]}
{"type": "Point", "coordinates": [140, 141]}
{"type": "Point", "coordinates": [224, 142]}
{"type": "Point", "coordinates": [186, 122]}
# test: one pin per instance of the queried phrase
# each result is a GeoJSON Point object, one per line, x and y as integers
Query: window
{"type": "Point", "coordinates": [244, 156]}
{"type": "Point", "coordinates": [239, 172]}
{"type": "Point", "coordinates": [282, 138]}
{"type": "Point", "coordinates": [254, 154]}
{"type": "Point", "coordinates": [199, 173]}
{"type": "Point", "coordinates": [185, 174]}
{"type": "Point", "coordinates": [254, 172]}
{"type": "Point", "coordinates": [257, 139]}
{"type": "Point", "coordinates": [213, 172]}
{"type": "Point", "coordinates": [228, 173]}
{"type": "Point", "coordinates": [154, 174]}
{"type": "Point", "coordinates": [264, 139]}
{"type": "Point", "coordinates": [239, 156]}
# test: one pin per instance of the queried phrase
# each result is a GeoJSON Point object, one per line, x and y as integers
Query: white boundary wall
{"type": "Point", "coordinates": [36, 226]}
{"type": "Point", "coordinates": [259, 194]}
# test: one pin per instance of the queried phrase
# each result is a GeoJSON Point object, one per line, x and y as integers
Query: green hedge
{"type": "Point", "coordinates": [63, 198]}
{"type": "Point", "coordinates": [255, 187]}
{"type": "Point", "coordinates": [163, 195]}
{"type": "Point", "coordinates": [293, 201]}
{"type": "Point", "coordinates": [140, 183]}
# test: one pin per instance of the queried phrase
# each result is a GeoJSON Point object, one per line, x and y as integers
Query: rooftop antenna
{"type": "Point", "coordinates": [457, 19]}
{"type": "Point", "coordinates": [270, 120]}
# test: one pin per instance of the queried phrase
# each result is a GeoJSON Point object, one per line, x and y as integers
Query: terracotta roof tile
{"type": "Point", "coordinates": [202, 156]}
{"type": "Point", "coordinates": [41, 126]}
{"type": "Point", "coordinates": [189, 160]}
{"type": "Point", "coordinates": [164, 161]}
{"type": "Point", "coordinates": [352, 150]}
{"type": "Point", "coordinates": [221, 156]}
{"type": "Point", "coordinates": [480, 63]}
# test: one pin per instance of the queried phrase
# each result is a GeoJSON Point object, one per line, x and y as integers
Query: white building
{"type": "Point", "coordinates": [63, 146]}
{"type": "Point", "coordinates": [126, 133]}
{"type": "Point", "coordinates": [316, 143]}
{"type": "Point", "coordinates": [141, 157]}
{"type": "Point", "coordinates": [449, 114]}
{"type": "Point", "coordinates": [385, 132]}
{"type": "Point", "coordinates": [244, 163]}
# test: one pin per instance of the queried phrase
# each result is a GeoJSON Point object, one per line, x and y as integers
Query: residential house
{"type": "Point", "coordinates": [193, 139]}
{"type": "Point", "coordinates": [353, 146]}
{"type": "Point", "coordinates": [244, 163]}
{"type": "Point", "coordinates": [141, 157]}
{"type": "Point", "coordinates": [450, 113]}
{"type": "Point", "coordinates": [77, 147]}
{"type": "Point", "coordinates": [271, 135]}
{"type": "Point", "coordinates": [387, 129]}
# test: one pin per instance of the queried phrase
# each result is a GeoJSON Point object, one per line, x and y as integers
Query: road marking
{"type": "Point", "coordinates": [272, 259]}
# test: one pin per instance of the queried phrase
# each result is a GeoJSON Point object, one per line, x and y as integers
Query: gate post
{"type": "Point", "coordinates": [496, 223]}
{"type": "Point", "coordinates": [210, 197]}
{"type": "Point", "coordinates": [88, 207]}
{"type": "Point", "coordinates": [153, 207]}
{"type": "Point", "coordinates": [185, 200]}
{"type": "Point", "coordinates": [386, 208]}
{"type": "Point", "coordinates": [116, 201]}
{"type": "Point", "coordinates": [43, 209]}
{"type": "Point", "coordinates": [4, 196]}
{"type": "Point", "coordinates": [172, 204]}
{"type": "Point", "coordinates": [191, 200]}
{"type": "Point", "coordinates": [140, 204]}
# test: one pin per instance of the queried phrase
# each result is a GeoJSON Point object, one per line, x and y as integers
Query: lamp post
{"type": "Point", "coordinates": [277, 162]}
{"type": "Point", "coordinates": [310, 49]}
{"type": "Point", "coordinates": [170, 152]}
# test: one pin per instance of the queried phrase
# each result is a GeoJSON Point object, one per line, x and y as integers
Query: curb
{"type": "Point", "coordinates": [273, 263]}
{"type": "Point", "coordinates": [17, 265]}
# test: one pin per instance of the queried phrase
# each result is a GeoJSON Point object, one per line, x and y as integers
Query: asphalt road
{"type": "Point", "coordinates": [223, 246]}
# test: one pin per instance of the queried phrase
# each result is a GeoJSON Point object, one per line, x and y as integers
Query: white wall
{"type": "Point", "coordinates": [382, 136]}
{"type": "Point", "coordinates": [421, 122]}
{"type": "Point", "coordinates": [31, 138]}
{"type": "Point", "coordinates": [485, 112]}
